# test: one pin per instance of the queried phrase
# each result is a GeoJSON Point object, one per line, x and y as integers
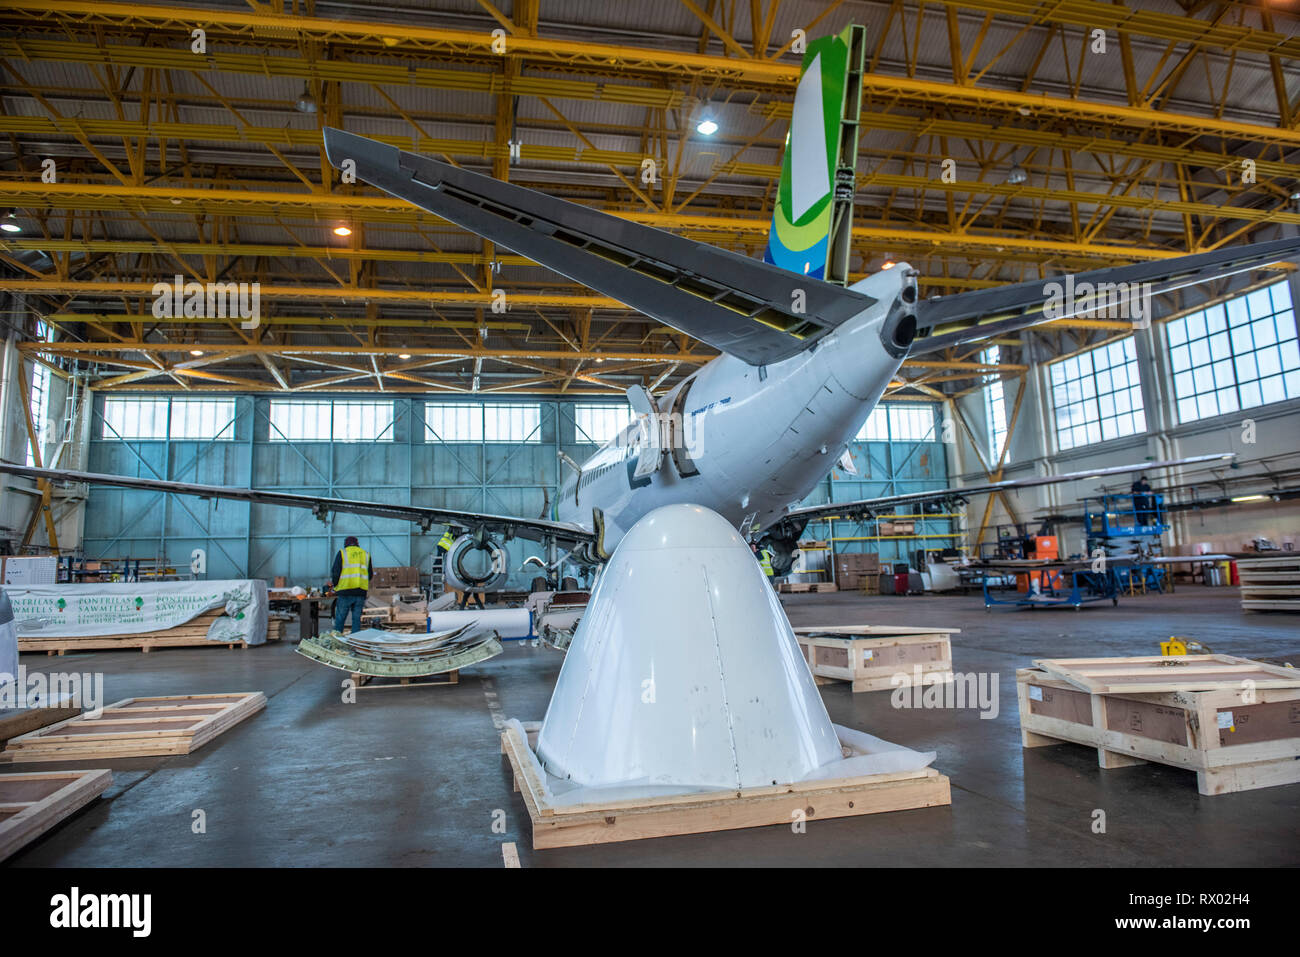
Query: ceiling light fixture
{"type": "Point", "coordinates": [404, 355]}
{"type": "Point", "coordinates": [342, 231]}
{"type": "Point", "coordinates": [10, 223]}
{"type": "Point", "coordinates": [1017, 175]}
{"type": "Point", "coordinates": [306, 102]}
{"type": "Point", "coordinates": [706, 126]}
{"type": "Point", "coordinates": [196, 352]}
{"type": "Point", "coordinates": [1249, 498]}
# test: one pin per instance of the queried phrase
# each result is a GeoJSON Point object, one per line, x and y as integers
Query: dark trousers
{"type": "Point", "coordinates": [345, 604]}
{"type": "Point", "coordinates": [467, 597]}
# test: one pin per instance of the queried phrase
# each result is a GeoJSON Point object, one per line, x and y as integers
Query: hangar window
{"type": "Point", "coordinates": [898, 422]}
{"type": "Point", "coordinates": [995, 407]}
{"type": "Point", "coordinates": [911, 423]}
{"type": "Point", "coordinates": [876, 428]}
{"type": "Point", "coordinates": [453, 422]}
{"type": "Point", "coordinates": [203, 419]}
{"type": "Point", "coordinates": [512, 423]}
{"type": "Point", "coordinates": [1097, 395]}
{"type": "Point", "coordinates": [134, 419]}
{"type": "Point", "coordinates": [363, 421]}
{"type": "Point", "coordinates": [40, 407]}
{"type": "Point", "coordinates": [1235, 355]}
{"type": "Point", "coordinates": [600, 423]}
{"type": "Point", "coordinates": [300, 420]}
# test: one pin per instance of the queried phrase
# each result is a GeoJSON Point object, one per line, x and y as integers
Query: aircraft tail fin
{"type": "Point", "coordinates": [813, 214]}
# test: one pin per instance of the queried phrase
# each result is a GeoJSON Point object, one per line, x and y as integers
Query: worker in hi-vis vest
{"type": "Point", "coordinates": [351, 577]}
{"type": "Point", "coordinates": [447, 540]}
{"type": "Point", "coordinates": [764, 557]}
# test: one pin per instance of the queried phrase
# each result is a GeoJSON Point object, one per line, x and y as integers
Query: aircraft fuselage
{"type": "Point", "coordinates": [759, 439]}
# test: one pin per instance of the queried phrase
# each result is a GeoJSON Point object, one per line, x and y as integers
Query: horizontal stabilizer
{"type": "Point", "coordinates": [755, 311]}
{"type": "Point", "coordinates": [1102, 293]}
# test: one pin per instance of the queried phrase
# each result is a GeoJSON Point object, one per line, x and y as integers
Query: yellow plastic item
{"type": "Point", "coordinates": [1183, 646]}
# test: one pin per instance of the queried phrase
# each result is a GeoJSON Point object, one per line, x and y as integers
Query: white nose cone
{"type": "Point", "coordinates": [684, 670]}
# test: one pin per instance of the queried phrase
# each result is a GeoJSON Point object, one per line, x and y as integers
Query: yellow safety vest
{"type": "Point", "coordinates": [447, 540]}
{"type": "Point", "coordinates": [765, 561]}
{"type": "Point", "coordinates": [356, 569]}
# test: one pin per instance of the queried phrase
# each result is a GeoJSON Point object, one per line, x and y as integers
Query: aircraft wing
{"type": "Point", "coordinates": [865, 508]}
{"type": "Point", "coordinates": [984, 313]}
{"type": "Point", "coordinates": [758, 312]}
{"type": "Point", "coordinates": [565, 534]}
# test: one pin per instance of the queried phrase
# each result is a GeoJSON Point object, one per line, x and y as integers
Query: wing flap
{"type": "Point", "coordinates": [757, 312]}
{"type": "Point", "coordinates": [564, 533]}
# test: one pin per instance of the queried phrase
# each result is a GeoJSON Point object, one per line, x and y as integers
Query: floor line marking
{"type": "Point", "coordinates": [510, 853]}
{"type": "Point", "coordinates": [494, 706]}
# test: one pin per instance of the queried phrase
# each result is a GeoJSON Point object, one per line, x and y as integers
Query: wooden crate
{"type": "Point", "coordinates": [31, 804]}
{"type": "Point", "coordinates": [1270, 584]}
{"type": "Point", "coordinates": [1233, 741]}
{"type": "Point", "coordinates": [870, 656]}
{"type": "Point", "coordinates": [193, 633]}
{"type": "Point", "coordinates": [556, 825]}
{"type": "Point", "coordinates": [137, 727]}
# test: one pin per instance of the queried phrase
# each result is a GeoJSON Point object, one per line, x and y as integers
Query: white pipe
{"type": "Point", "coordinates": [506, 622]}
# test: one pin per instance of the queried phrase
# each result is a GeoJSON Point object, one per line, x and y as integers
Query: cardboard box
{"type": "Point", "coordinates": [397, 576]}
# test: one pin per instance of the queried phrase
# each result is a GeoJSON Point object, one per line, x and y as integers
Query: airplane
{"type": "Point", "coordinates": [804, 360]}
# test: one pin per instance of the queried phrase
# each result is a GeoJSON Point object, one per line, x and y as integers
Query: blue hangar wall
{"type": "Point", "coordinates": [415, 467]}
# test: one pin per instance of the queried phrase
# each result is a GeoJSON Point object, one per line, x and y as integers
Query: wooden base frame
{"type": "Point", "coordinates": [556, 825]}
{"type": "Point", "coordinates": [137, 727]}
{"type": "Point", "coordinates": [31, 804]}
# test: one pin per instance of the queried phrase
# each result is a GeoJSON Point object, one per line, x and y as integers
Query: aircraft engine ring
{"type": "Point", "coordinates": [460, 578]}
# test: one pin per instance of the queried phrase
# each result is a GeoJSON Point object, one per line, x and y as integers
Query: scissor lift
{"type": "Point", "coordinates": [1119, 522]}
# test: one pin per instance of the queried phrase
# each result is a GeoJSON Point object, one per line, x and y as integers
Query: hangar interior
{"type": "Point", "coordinates": [397, 357]}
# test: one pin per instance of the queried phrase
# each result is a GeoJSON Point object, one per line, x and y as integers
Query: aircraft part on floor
{"type": "Point", "coordinates": [684, 671]}
{"type": "Point", "coordinates": [386, 654]}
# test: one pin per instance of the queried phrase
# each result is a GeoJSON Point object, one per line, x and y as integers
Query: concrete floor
{"type": "Point", "coordinates": [412, 777]}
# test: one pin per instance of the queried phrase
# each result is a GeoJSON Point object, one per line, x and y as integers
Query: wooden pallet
{"type": "Point", "coordinates": [1233, 741]}
{"type": "Point", "coordinates": [194, 633]}
{"type": "Point", "coordinates": [376, 682]}
{"type": "Point", "coordinates": [137, 727]}
{"type": "Point", "coordinates": [1270, 584]}
{"type": "Point", "coordinates": [556, 825]}
{"type": "Point", "coordinates": [31, 804]}
{"type": "Point", "coordinates": [870, 656]}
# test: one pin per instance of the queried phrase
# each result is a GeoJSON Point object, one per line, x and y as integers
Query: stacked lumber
{"type": "Point", "coordinates": [31, 804]}
{"type": "Point", "coordinates": [193, 633]}
{"type": "Point", "coordinates": [871, 656]}
{"type": "Point", "coordinates": [1233, 721]}
{"type": "Point", "coordinates": [395, 609]}
{"type": "Point", "coordinates": [137, 727]}
{"type": "Point", "coordinates": [802, 587]}
{"type": "Point", "coordinates": [1270, 584]}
